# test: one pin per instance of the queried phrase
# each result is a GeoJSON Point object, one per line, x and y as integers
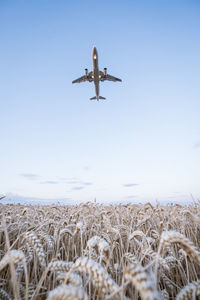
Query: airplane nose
{"type": "Point", "coordinates": [94, 52]}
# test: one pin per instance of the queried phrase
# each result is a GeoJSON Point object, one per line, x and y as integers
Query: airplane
{"type": "Point", "coordinates": [1, 197]}
{"type": "Point", "coordinates": [96, 76]}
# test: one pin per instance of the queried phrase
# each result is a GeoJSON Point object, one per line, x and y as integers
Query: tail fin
{"type": "Point", "coordinates": [95, 98]}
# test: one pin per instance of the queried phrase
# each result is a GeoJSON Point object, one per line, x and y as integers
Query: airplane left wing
{"type": "Point", "coordinates": [84, 78]}
{"type": "Point", "coordinates": [106, 76]}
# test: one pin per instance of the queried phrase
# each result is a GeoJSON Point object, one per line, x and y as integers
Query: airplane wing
{"type": "Point", "coordinates": [108, 77]}
{"type": "Point", "coordinates": [84, 78]}
{"type": "Point", "coordinates": [2, 197]}
{"type": "Point", "coordinates": [111, 78]}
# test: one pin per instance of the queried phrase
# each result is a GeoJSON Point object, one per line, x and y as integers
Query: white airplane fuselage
{"type": "Point", "coordinates": [95, 71]}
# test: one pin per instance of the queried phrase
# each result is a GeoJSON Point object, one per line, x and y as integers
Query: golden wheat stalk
{"type": "Point", "coordinates": [167, 282]}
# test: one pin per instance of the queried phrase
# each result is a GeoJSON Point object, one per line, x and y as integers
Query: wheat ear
{"type": "Point", "coordinates": [164, 295]}
{"type": "Point", "coordinates": [60, 265]}
{"type": "Point", "coordinates": [54, 266]}
{"type": "Point", "coordinates": [142, 282]}
{"type": "Point", "coordinates": [102, 245]}
{"type": "Point", "coordinates": [70, 278]}
{"type": "Point", "coordinates": [34, 241]}
{"type": "Point", "coordinates": [190, 291]}
{"type": "Point", "coordinates": [68, 292]}
{"type": "Point", "coordinates": [4, 295]}
{"type": "Point", "coordinates": [17, 256]}
{"type": "Point", "coordinates": [170, 237]}
{"type": "Point", "coordinates": [97, 273]}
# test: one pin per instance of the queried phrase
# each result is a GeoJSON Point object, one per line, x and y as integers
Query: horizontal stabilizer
{"type": "Point", "coordinates": [95, 98]}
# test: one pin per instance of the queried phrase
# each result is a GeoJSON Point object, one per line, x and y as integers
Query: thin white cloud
{"type": "Point", "coordinates": [130, 184]}
{"type": "Point", "coordinates": [30, 176]}
{"type": "Point", "coordinates": [78, 182]}
{"type": "Point", "coordinates": [73, 182]}
{"type": "Point", "coordinates": [49, 182]}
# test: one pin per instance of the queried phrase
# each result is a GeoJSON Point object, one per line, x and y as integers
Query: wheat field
{"type": "Point", "coordinates": [93, 251]}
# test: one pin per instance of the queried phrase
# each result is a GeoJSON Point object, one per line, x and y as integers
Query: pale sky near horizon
{"type": "Point", "coordinates": [142, 143]}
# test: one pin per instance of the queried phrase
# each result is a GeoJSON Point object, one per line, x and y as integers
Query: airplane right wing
{"type": "Point", "coordinates": [84, 78]}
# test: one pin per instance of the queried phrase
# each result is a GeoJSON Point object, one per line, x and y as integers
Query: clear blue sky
{"type": "Point", "coordinates": [142, 143]}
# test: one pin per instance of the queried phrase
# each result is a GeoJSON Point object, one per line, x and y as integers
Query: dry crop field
{"type": "Point", "coordinates": [93, 251]}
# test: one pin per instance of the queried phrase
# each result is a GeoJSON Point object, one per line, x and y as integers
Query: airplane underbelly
{"type": "Point", "coordinates": [97, 89]}
{"type": "Point", "coordinates": [96, 76]}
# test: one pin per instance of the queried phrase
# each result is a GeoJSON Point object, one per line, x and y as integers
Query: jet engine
{"type": "Point", "coordinates": [86, 72]}
{"type": "Point", "coordinates": [105, 71]}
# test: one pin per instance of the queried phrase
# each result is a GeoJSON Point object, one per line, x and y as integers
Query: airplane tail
{"type": "Point", "coordinates": [95, 98]}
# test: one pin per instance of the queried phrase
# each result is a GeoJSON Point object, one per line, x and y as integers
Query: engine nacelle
{"type": "Point", "coordinates": [105, 71]}
{"type": "Point", "coordinates": [86, 72]}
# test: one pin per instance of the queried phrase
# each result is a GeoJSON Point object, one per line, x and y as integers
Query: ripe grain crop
{"type": "Point", "coordinates": [92, 251]}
